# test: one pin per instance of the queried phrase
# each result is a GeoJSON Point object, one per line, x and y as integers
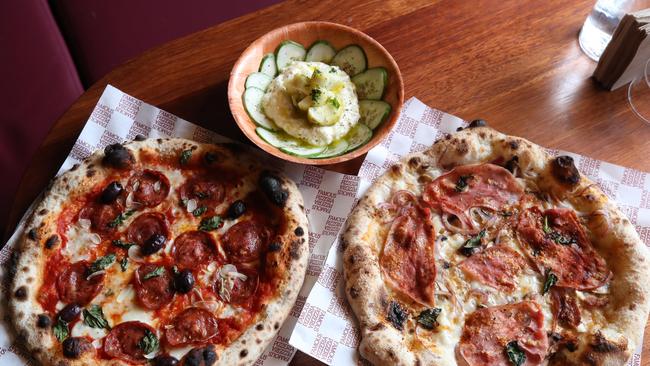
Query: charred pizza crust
{"type": "Point", "coordinates": [286, 255]}
{"type": "Point", "coordinates": [387, 332]}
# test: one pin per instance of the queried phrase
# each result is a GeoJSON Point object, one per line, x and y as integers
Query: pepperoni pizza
{"type": "Point", "coordinates": [485, 250]}
{"type": "Point", "coordinates": [161, 251]}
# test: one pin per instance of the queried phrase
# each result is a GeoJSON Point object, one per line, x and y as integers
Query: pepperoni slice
{"type": "Point", "coordinates": [74, 286]}
{"type": "Point", "coordinates": [498, 266]}
{"type": "Point", "coordinates": [101, 215]}
{"type": "Point", "coordinates": [245, 241]}
{"type": "Point", "coordinates": [486, 185]}
{"type": "Point", "coordinates": [488, 331]}
{"type": "Point", "coordinates": [193, 325]}
{"type": "Point", "coordinates": [237, 291]}
{"type": "Point", "coordinates": [149, 187]}
{"type": "Point", "coordinates": [193, 249]}
{"type": "Point", "coordinates": [555, 241]}
{"type": "Point", "coordinates": [123, 341]}
{"type": "Point", "coordinates": [153, 292]}
{"type": "Point", "coordinates": [407, 260]}
{"type": "Point", "coordinates": [206, 192]}
{"type": "Point", "coordinates": [145, 226]}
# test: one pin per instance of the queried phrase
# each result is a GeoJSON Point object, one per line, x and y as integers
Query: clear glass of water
{"type": "Point", "coordinates": [638, 94]}
{"type": "Point", "coordinates": [602, 22]}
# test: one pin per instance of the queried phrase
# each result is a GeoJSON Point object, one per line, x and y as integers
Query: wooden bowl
{"type": "Point", "coordinates": [306, 33]}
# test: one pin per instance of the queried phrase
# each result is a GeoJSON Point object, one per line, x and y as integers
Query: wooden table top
{"type": "Point", "coordinates": [515, 64]}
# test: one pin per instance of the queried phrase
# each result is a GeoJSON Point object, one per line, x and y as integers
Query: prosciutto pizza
{"type": "Point", "coordinates": [486, 250]}
{"type": "Point", "coordinates": [163, 252]}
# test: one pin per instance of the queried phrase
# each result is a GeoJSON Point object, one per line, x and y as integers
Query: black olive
{"type": "Point", "coordinates": [70, 312]}
{"type": "Point", "coordinates": [209, 355]}
{"type": "Point", "coordinates": [116, 156]}
{"type": "Point", "coordinates": [184, 281]}
{"type": "Point", "coordinates": [43, 321]}
{"type": "Point", "coordinates": [200, 356]}
{"type": "Point", "coordinates": [153, 244]}
{"type": "Point", "coordinates": [236, 209]}
{"type": "Point", "coordinates": [565, 170]}
{"type": "Point", "coordinates": [73, 347]}
{"type": "Point", "coordinates": [110, 193]}
{"type": "Point", "coordinates": [477, 123]}
{"type": "Point", "coordinates": [164, 360]}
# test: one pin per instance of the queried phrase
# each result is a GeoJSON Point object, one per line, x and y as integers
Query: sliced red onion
{"type": "Point", "coordinates": [95, 274]}
{"type": "Point", "coordinates": [210, 306]}
{"type": "Point", "coordinates": [84, 223]}
{"type": "Point", "coordinates": [134, 253]}
{"type": "Point", "coordinates": [95, 238]}
{"type": "Point", "coordinates": [156, 186]}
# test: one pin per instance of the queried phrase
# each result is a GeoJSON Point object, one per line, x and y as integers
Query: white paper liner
{"type": "Point", "coordinates": [327, 329]}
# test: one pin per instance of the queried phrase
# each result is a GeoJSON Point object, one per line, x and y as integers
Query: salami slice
{"type": "Point", "coordinates": [123, 342]}
{"type": "Point", "coordinates": [498, 266]}
{"type": "Point", "coordinates": [486, 186]}
{"type": "Point", "coordinates": [101, 215]}
{"type": "Point", "coordinates": [192, 326]}
{"type": "Point", "coordinates": [245, 241]}
{"type": "Point", "coordinates": [153, 286]}
{"type": "Point", "coordinates": [145, 226]}
{"type": "Point", "coordinates": [74, 286]}
{"type": "Point", "coordinates": [407, 259]}
{"type": "Point", "coordinates": [555, 241]}
{"type": "Point", "coordinates": [193, 249]}
{"type": "Point", "coordinates": [149, 187]}
{"type": "Point", "coordinates": [489, 333]}
{"type": "Point", "coordinates": [209, 193]}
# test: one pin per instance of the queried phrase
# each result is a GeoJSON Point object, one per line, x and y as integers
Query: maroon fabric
{"type": "Point", "coordinates": [38, 83]}
{"type": "Point", "coordinates": [103, 34]}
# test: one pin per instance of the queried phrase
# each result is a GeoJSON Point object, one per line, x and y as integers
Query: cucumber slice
{"type": "Point", "coordinates": [287, 52]}
{"type": "Point", "coordinates": [334, 149]}
{"type": "Point", "coordinates": [289, 144]}
{"type": "Point", "coordinates": [320, 51]}
{"type": "Point", "coordinates": [268, 66]}
{"type": "Point", "coordinates": [358, 136]}
{"type": "Point", "coordinates": [373, 112]}
{"type": "Point", "coordinates": [252, 99]}
{"type": "Point", "coordinates": [371, 83]}
{"type": "Point", "coordinates": [351, 59]}
{"type": "Point", "coordinates": [258, 80]}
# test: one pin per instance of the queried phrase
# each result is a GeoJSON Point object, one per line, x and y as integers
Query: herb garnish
{"type": "Point", "coordinates": [315, 94]}
{"type": "Point", "coordinates": [61, 331]}
{"type": "Point", "coordinates": [555, 235]}
{"type": "Point", "coordinates": [117, 221]}
{"type": "Point", "coordinates": [101, 264]}
{"type": "Point", "coordinates": [428, 318]}
{"type": "Point", "coordinates": [124, 245]}
{"type": "Point", "coordinates": [546, 227]}
{"type": "Point", "coordinates": [185, 156]}
{"type": "Point", "coordinates": [94, 317]}
{"type": "Point", "coordinates": [155, 273]}
{"type": "Point", "coordinates": [461, 184]}
{"type": "Point", "coordinates": [199, 211]}
{"type": "Point", "coordinates": [551, 280]}
{"type": "Point", "coordinates": [210, 223]}
{"type": "Point", "coordinates": [472, 243]}
{"type": "Point", "coordinates": [332, 70]}
{"type": "Point", "coordinates": [516, 355]}
{"type": "Point", "coordinates": [148, 343]}
{"type": "Point", "coordinates": [124, 263]}
{"type": "Point", "coordinates": [334, 102]}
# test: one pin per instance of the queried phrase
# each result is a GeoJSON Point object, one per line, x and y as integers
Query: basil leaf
{"type": "Point", "coordinates": [155, 273]}
{"type": "Point", "coordinates": [61, 331]}
{"type": "Point", "coordinates": [102, 263]}
{"type": "Point", "coordinates": [315, 94]}
{"type": "Point", "coordinates": [117, 221]}
{"type": "Point", "coordinates": [428, 318]}
{"type": "Point", "coordinates": [120, 244]}
{"type": "Point", "coordinates": [516, 355]}
{"type": "Point", "coordinates": [199, 211]}
{"type": "Point", "coordinates": [210, 223]}
{"type": "Point", "coordinates": [149, 342]}
{"type": "Point", "coordinates": [94, 317]}
{"type": "Point", "coordinates": [546, 227]}
{"type": "Point", "coordinates": [467, 249]}
{"type": "Point", "coordinates": [185, 156]}
{"type": "Point", "coordinates": [561, 239]}
{"type": "Point", "coordinates": [124, 263]}
{"type": "Point", "coordinates": [461, 184]}
{"type": "Point", "coordinates": [551, 280]}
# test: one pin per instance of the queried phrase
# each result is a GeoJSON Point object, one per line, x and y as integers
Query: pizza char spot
{"type": "Point", "coordinates": [299, 231]}
{"type": "Point", "coordinates": [354, 292]}
{"type": "Point", "coordinates": [74, 167]}
{"type": "Point", "coordinates": [275, 246]}
{"type": "Point", "coordinates": [139, 137]}
{"type": "Point", "coordinates": [258, 341]}
{"type": "Point", "coordinates": [243, 353]}
{"type": "Point", "coordinates": [25, 269]}
{"type": "Point", "coordinates": [259, 327]}
{"type": "Point", "coordinates": [90, 173]}
{"type": "Point", "coordinates": [51, 241]}
{"type": "Point", "coordinates": [160, 141]}
{"type": "Point", "coordinates": [376, 327]}
{"type": "Point", "coordinates": [276, 325]}
{"type": "Point", "coordinates": [513, 144]}
{"type": "Point", "coordinates": [21, 293]}
{"type": "Point", "coordinates": [396, 315]}
{"type": "Point", "coordinates": [32, 234]}
{"type": "Point", "coordinates": [30, 279]}
{"type": "Point", "coordinates": [414, 162]}
{"type": "Point", "coordinates": [20, 315]}
{"type": "Point", "coordinates": [42, 212]}
{"type": "Point", "coordinates": [294, 251]}
{"type": "Point", "coordinates": [43, 321]}
{"type": "Point", "coordinates": [565, 171]}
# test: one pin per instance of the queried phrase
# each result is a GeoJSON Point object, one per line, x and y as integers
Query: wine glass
{"type": "Point", "coordinates": [638, 94]}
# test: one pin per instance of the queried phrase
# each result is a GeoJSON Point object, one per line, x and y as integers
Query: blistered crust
{"type": "Point", "coordinates": [290, 260]}
{"type": "Point", "coordinates": [626, 255]}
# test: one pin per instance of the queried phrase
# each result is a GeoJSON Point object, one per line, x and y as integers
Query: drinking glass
{"type": "Point", "coordinates": [638, 94]}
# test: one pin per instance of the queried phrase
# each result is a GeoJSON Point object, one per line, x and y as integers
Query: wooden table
{"type": "Point", "coordinates": [516, 64]}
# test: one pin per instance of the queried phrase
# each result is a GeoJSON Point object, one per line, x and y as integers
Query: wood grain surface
{"type": "Point", "coordinates": [516, 64]}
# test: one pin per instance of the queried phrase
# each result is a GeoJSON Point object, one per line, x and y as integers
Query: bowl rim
{"type": "Point", "coordinates": [243, 118]}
